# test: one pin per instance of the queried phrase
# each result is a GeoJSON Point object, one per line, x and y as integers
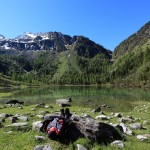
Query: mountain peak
{"type": "Point", "coordinates": [2, 37]}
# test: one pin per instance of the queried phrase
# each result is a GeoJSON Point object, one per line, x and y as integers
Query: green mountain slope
{"type": "Point", "coordinates": [132, 60]}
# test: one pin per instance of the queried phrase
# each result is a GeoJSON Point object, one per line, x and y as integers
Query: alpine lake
{"type": "Point", "coordinates": [118, 99]}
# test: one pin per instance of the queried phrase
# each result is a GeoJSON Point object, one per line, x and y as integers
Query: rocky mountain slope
{"type": "Point", "coordinates": [53, 58]}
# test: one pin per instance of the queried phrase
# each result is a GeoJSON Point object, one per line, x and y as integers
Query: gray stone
{"type": "Point", "coordinates": [118, 143]}
{"type": "Point", "coordinates": [80, 147]}
{"type": "Point", "coordinates": [37, 125]}
{"type": "Point", "coordinates": [19, 124]}
{"type": "Point", "coordinates": [23, 118]}
{"type": "Point", "coordinates": [142, 137]}
{"type": "Point", "coordinates": [40, 116]}
{"type": "Point", "coordinates": [117, 115]}
{"type": "Point", "coordinates": [59, 101]}
{"type": "Point", "coordinates": [125, 120]}
{"type": "Point", "coordinates": [63, 102]}
{"type": "Point", "coordinates": [47, 106]}
{"type": "Point", "coordinates": [90, 128]}
{"type": "Point", "coordinates": [13, 119]}
{"type": "Point", "coordinates": [145, 122]}
{"type": "Point", "coordinates": [126, 129]}
{"type": "Point", "coordinates": [40, 105]}
{"type": "Point", "coordinates": [136, 126]}
{"type": "Point", "coordinates": [98, 109]}
{"type": "Point", "coordinates": [9, 132]}
{"type": "Point", "coordinates": [102, 117]}
{"type": "Point", "coordinates": [40, 138]}
{"type": "Point", "coordinates": [43, 147]}
{"type": "Point", "coordinates": [4, 115]}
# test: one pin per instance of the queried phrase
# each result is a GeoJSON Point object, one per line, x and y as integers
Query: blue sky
{"type": "Point", "coordinates": [107, 22]}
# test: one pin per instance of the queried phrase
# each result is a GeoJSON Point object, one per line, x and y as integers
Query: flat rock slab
{"type": "Point", "coordinates": [60, 101]}
{"type": "Point", "coordinates": [43, 147]}
{"type": "Point", "coordinates": [19, 124]}
{"type": "Point", "coordinates": [118, 143]}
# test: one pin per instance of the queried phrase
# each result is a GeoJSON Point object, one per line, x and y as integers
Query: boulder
{"type": "Point", "coordinates": [94, 130]}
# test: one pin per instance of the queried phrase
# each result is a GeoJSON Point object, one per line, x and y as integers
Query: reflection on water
{"type": "Point", "coordinates": [117, 99]}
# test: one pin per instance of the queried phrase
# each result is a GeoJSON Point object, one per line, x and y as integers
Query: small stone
{"type": "Point", "coordinates": [145, 122]}
{"type": "Point", "coordinates": [40, 116]}
{"type": "Point", "coordinates": [118, 143]}
{"type": "Point", "coordinates": [102, 117]}
{"type": "Point", "coordinates": [23, 118]}
{"type": "Point", "coordinates": [81, 147]}
{"type": "Point", "coordinates": [43, 147]}
{"type": "Point", "coordinates": [136, 126]}
{"type": "Point", "coordinates": [142, 138]}
{"type": "Point", "coordinates": [37, 125]}
{"type": "Point", "coordinates": [46, 106]}
{"type": "Point", "coordinates": [40, 138]}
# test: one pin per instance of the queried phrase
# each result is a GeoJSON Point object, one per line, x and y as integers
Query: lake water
{"type": "Point", "coordinates": [117, 99]}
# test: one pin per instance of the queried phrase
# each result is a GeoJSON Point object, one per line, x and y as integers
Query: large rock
{"type": "Point", "coordinates": [94, 130]}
